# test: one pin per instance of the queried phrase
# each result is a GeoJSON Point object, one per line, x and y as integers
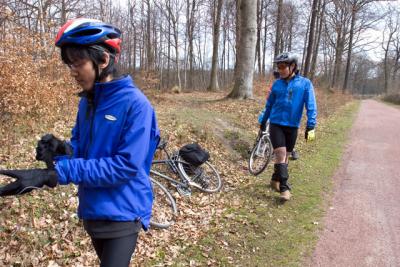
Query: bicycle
{"type": "Point", "coordinates": [261, 154]}
{"type": "Point", "coordinates": [183, 176]}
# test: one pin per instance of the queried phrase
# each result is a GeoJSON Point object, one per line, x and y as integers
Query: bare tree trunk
{"type": "Point", "coordinates": [307, 62]}
{"type": "Point", "coordinates": [169, 45]}
{"type": "Point", "coordinates": [243, 87]}
{"type": "Point", "coordinates": [223, 56]}
{"type": "Point", "coordinates": [238, 23]}
{"type": "Point", "coordinates": [338, 59]}
{"type": "Point", "coordinates": [63, 12]}
{"type": "Point", "coordinates": [347, 71]}
{"type": "Point", "coordinates": [386, 64]}
{"type": "Point", "coordinates": [149, 45]}
{"type": "Point", "coordinates": [316, 47]}
{"type": "Point", "coordinates": [278, 29]}
{"type": "Point", "coordinates": [396, 60]}
{"type": "Point", "coordinates": [305, 41]}
{"type": "Point", "coordinates": [265, 41]}
{"type": "Point", "coordinates": [260, 4]}
{"type": "Point", "coordinates": [216, 30]}
{"type": "Point", "coordinates": [41, 18]}
{"type": "Point", "coordinates": [191, 8]}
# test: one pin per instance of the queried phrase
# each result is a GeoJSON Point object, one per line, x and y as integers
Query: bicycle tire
{"type": "Point", "coordinates": [257, 163]}
{"type": "Point", "coordinates": [204, 177]}
{"type": "Point", "coordinates": [164, 206]}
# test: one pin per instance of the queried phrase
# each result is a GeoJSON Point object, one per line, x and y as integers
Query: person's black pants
{"type": "Point", "coordinates": [115, 252]}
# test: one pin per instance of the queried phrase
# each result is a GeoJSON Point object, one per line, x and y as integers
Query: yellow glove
{"type": "Point", "coordinates": [310, 134]}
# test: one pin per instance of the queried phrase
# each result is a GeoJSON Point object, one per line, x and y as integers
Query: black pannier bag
{"type": "Point", "coordinates": [194, 154]}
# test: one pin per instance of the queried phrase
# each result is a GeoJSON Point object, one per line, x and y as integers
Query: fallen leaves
{"type": "Point", "coordinates": [42, 228]}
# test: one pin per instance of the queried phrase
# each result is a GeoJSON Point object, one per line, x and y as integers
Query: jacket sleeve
{"type": "Point", "coordinates": [139, 138]}
{"type": "Point", "coordinates": [268, 105]}
{"type": "Point", "coordinates": [311, 105]}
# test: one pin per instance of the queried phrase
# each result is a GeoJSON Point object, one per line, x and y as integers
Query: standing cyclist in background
{"type": "Point", "coordinates": [284, 109]}
{"type": "Point", "coordinates": [113, 143]}
{"type": "Point", "coordinates": [293, 155]}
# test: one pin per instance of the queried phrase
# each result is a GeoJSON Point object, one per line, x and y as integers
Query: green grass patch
{"type": "Point", "coordinates": [260, 230]}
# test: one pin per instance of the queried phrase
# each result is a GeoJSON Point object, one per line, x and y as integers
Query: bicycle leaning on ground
{"type": "Point", "coordinates": [184, 176]}
{"type": "Point", "coordinates": [261, 154]}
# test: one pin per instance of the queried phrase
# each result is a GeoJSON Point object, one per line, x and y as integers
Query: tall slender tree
{"type": "Point", "coordinates": [307, 61]}
{"type": "Point", "coordinates": [216, 33]}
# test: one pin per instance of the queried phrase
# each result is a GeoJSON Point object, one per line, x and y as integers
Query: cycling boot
{"type": "Point", "coordinates": [275, 179]}
{"type": "Point", "coordinates": [285, 196]}
{"type": "Point", "coordinates": [284, 187]}
{"type": "Point", "coordinates": [294, 155]}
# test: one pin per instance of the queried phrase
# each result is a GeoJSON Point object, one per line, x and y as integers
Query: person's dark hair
{"type": "Point", "coordinates": [73, 53]}
{"type": "Point", "coordinates": [276, 74]}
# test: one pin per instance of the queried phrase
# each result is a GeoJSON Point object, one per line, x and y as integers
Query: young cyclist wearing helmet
{"type": "Point", "coordinates": [293, 155]}
{"type": "Point", "coordinates": [113, 143]}
{"type": "Point", "coordinates": [284, 108]}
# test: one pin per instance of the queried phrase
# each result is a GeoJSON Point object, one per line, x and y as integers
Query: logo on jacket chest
{"type": "Point", "coordinates": [110, 117]}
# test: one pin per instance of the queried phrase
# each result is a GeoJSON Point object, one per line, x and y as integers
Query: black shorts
{"type": "Point", "coordinates": [283, 136]}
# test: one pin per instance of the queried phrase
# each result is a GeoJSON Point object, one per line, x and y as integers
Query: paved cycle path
{"type": "Point", "coordinates": [362, 225]}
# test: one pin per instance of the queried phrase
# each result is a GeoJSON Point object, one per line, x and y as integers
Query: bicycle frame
{"type": "Point", "coordinates": [172, 164]}
{"type": "Point", "coordinates": [260, 145]}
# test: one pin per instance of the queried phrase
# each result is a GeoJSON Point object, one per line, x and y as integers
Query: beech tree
{"type": "Point", "coordinates": [244, 69]}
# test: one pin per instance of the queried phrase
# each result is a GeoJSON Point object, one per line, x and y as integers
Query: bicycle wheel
{"type": "Point", "coordinates": [204, 177]}
{"type": "Point", "coordinates": [164, 206]}
{"type": "Point", "coordinates": [260, 155]}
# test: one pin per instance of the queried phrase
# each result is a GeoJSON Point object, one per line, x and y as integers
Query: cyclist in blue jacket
{"type": "Point", "coordinates": [113, 143]}
{"type": "Point", "coordinates": [284, 108]}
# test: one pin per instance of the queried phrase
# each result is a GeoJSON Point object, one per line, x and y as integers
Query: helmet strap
{"type": "Point", "coordinates": [97, 72]}
{"type": "Point", "coordinates": [292, 72]}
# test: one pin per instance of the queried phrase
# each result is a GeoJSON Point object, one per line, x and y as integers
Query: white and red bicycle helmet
{"type": "Point", "coordinates": [89, 32]}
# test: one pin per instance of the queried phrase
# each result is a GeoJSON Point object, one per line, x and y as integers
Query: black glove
{"type": "Point", "coordinates": [263, 127]}
{"type": "Point", "coordinates": [49, 147]}
{"type": "Point", "coordinates": [27, 180]}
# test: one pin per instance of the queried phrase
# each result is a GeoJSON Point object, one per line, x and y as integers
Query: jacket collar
{"type": "Point", "coordinates": [296, 76]}
{"type": "Point", "coordinates": [103, 90]}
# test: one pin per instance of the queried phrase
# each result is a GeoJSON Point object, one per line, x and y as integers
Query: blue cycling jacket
{"type": "Point", "coordinates": [114, 141]}
{"type": "Point", "coordinates": [287, 100]}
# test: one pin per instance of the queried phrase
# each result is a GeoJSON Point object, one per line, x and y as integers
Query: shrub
{"type": "Point", "coordinates": [392, 98]}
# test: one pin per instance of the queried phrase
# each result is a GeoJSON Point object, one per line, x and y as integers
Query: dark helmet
{"type": "Point", "coordinates": [90, 32]}
{"type": "Point", "coordinates": [286, 57]}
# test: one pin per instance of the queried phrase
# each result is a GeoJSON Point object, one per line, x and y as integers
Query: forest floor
{"type": "Point", "coordinates": [244, 224]}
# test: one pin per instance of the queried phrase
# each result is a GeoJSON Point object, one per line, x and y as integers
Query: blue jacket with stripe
{"type": "Point", "coordinates": [287, 100]}
{"type": "Point", "coordinates": [114, 140]}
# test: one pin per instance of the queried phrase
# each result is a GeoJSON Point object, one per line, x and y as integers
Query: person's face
{"type": "Point", "coordinates": [83, 72]}
{"type": "Point", "coordinates": [285, 70]}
